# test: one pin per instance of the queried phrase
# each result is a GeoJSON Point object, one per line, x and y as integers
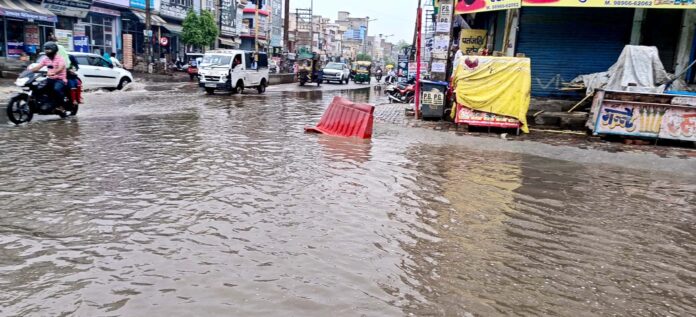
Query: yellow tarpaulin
{"type": "Point", "coordinates": [499, 85]}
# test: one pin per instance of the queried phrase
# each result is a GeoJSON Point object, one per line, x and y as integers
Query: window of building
{"type": "Point", "coordinates": [99, 29]}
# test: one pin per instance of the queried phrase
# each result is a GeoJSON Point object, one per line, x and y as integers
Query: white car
{"type": "Point", "coordinates": [337, 72]}
{"type": "Point", "coordinates": [96, 72]}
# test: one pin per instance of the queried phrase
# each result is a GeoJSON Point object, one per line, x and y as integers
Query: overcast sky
{"type": "Point", "coordinates": [396, 17]}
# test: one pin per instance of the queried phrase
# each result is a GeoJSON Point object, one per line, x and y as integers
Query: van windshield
{"type": "Point", "coordinates": [216, 60]}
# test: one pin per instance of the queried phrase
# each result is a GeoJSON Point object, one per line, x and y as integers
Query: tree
{"type": "Point", "coordinates": [363, 57]}
{"type": "Point", "coordinates": [388, 61]}
{"type": "Point", "coordinates": [401, 44]}
{"type": "Point", "coordinates": [199, 30]}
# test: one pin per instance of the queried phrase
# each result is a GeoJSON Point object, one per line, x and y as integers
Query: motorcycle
{"type": "Point", "coordinates": [401, 93]}
{"type": "Point", "coordinates": [37, 97]}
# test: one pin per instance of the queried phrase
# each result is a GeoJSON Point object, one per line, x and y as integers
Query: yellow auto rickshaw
{"type": "Point", "coordinates": [363, 72]}
{"type": "Point", "coordinates": [309, 70]}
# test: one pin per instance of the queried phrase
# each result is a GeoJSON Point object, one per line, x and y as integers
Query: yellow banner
{"type": "Point", "coordinates": [472, 41]}
{"type": "Point", "coordinates": [499, 85]}
{"type": "Point", "coordinates": [473, 6]}
{"type": "Point", "coordinates": [652, 4]}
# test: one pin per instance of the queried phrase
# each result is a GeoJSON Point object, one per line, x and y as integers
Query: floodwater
{"type": "Point", "coordinates": [166, 202]}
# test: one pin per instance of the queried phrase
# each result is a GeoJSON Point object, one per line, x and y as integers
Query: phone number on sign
{"type": "Point", "coordinates": [630, 3]}
{"type": "Point", "coordinates": [513, 5]}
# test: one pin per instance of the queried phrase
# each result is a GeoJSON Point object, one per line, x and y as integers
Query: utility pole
{"type": "Point", "coordinates": [419, 19]}
{"type": "Point", "coordinates": [256, 27]}
{"type": "Point", "coordinates": [148, 30]}
{"type": "Point", "coordinates": [286, 27]}
{"type": "Point", "coordinates": [311, 27]}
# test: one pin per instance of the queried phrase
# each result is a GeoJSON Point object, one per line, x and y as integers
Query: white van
{"type": "Point", "coordinates": [233, 71]}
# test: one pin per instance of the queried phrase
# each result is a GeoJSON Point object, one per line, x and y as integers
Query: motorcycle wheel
{"type": "Point", "coordinates": [18, 110]}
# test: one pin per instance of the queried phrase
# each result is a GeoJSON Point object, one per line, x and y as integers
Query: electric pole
{"type": "Point", "coordinates": [148, 30]}
{"type": "Point", "coordinates": [286, 26]}
{"type": "Point", "coordinates": [257, 22]}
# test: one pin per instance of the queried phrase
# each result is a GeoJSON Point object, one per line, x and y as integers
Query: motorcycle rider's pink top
{"type": "Point", "coordinates": [56, 62]}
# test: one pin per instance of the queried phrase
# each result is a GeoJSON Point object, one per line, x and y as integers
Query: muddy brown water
{"type": "Point", "coordinates": [166, 202]}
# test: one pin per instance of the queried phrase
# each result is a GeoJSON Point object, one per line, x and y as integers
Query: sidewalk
{"type": "Point", "coordinates": [395, 114]}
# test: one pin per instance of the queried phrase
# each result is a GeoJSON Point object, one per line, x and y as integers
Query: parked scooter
{"type": "Point", "coordinates": [37, 97]}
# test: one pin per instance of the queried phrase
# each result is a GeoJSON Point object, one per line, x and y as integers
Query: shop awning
{"type": "Point", "coordinates": [174, 28]}
{"type": "Point", "coordinates": [228, 42]}
{"type": "Point", "coordinates": [154, 19]}
{"type": "Point", "coordinates": [26, 10]}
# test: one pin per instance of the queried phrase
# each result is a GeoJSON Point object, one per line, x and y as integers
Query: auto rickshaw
{"type": "Point", "coordinates": [309, 70]}
{"type": "Point", "coordinates": [363, 73]}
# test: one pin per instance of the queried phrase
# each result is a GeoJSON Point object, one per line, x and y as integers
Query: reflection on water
{"type": "Point", "coordinates": [183, 204]}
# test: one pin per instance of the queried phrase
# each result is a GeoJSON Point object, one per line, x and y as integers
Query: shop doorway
{"type": "Point", "coordinates": [661, 28]}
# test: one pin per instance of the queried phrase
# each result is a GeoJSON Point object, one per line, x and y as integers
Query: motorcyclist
{"type": "Point", "coordinates": [61, 50]}
{"type": "Point", "coordinates": [379, 73]}
{"type": "Point", "coordinates": [57, 74]}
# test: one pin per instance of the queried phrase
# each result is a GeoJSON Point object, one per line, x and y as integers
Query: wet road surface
{"type": "Point", "coordinates": [161, 201]}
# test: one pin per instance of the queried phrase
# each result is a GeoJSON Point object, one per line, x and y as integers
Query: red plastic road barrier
{"type": "Point", "coordinates": [345, 118]}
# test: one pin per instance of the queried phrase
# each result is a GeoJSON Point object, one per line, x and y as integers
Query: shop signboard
{"type": "Point", "coordinates": [228, 18]}
{"type": "Point", "coordinates": [473, 6]}
{"type": "Point", "coordinates": [65, 38]}
{"type": "Point", "coordinates": [70, 8]}
{"type": "Point", "coordinates": [172, 9]}
{"type": "Point", "coordinates": [26, 15]}
{"type": "Point", "coordinates": [15, 49]}
{"type": "Point", "coordinates": [120, 3]}
{"type": "Point", "coordinates": [81, 44]}
{"type": "Point", "coordinates": [647, 4]}
{"type": "Point", "coordinates": [472, 41]}
{"type": "Point", "coordinates": [648, 121]}
{"type": "Point", "coordinates": [78, 30]}
{"type": "Point", "coordinates": [140, 4]}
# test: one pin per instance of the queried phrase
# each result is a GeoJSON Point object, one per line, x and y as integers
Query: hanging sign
{"type": "Point", "coordinates": [652, 4]}
{"type": "Point", "coordinates": [473, 6]}
{"type": "Point", "coordinates": [472, 41]}
{"type": "Point", "coordinates": [444, 24]}
{"type": "Point", "coordinates": [164, 41]}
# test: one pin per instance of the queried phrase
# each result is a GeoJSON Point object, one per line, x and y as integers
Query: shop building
{"type": "Point", "coordinates": [564, 39]}
{"type": "Point", "coordinates": [24, 27]}
{"type": "Point", "coordinates": [250, 25]}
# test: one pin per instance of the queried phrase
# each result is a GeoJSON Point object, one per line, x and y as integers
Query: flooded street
{"type": "Point", "coordinates": [162, 201]}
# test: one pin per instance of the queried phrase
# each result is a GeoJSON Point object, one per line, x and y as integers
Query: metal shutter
{"type": "Point", "coordinates": [566, 42]}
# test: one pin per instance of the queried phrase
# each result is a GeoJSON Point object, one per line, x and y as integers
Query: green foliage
{"type": "Point", "coordinates": [388, 61]}
{"type": "Point", "coordinates": [199, 30]}
{"type": "Point", "coordinates": [362, 57]}
{"type": "Point", "coordinates": [401, 44]}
